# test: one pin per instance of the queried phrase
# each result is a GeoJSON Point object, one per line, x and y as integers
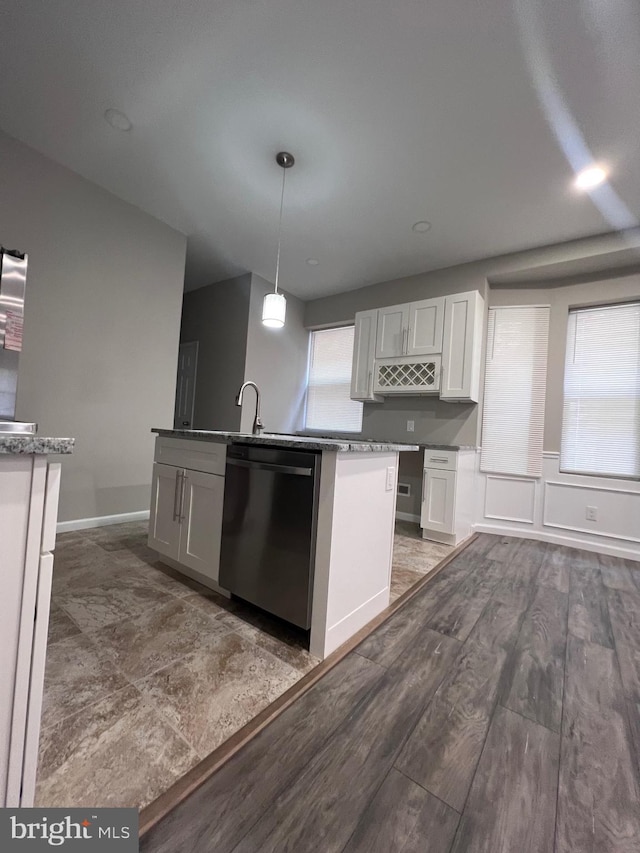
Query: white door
{"type": "Point", "coordinates": [392, 333]}
{"type": "Point", "coordinates": [186, 386]}
{"type": "Point", "coordinates": [426, 319]}
{"type": "Point", "coordinates": [166, 498]}
{"type": "Point", "coordinates": [364, 348]}
{"type": "Point", "coordinates": [438, 500]}
{"type": "Point", "coordinates": [202, 522]}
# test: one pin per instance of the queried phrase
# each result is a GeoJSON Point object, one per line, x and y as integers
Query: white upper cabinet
{"type": "Point", "coordinates": [411, 329]}
{"type": "Point", "coordinates": [364, 353]}
{"type": "Point", "coordinates": [395, 346]}
{"type": "Point", "coordinates": [393, 329]}
{"type": "Point", "coordinates": [425, 327]}
{"type": "Point", "coordinates": [461, 347]}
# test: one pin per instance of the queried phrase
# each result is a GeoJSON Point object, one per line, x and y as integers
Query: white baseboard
{"type": "Point", "coordinates": [101, 521]}
{"type": "Point", "coordinates": [339, 633]}
{"type": "Point", "coordinates": [559, 539]}
{"type": "Point", "coordinates": [407, 516]}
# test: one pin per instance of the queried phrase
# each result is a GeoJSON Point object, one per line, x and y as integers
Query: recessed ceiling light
{"type": "Point", "coordinates": [421, 227]}
{"type": "Point", "coordinates": [118, 120]}
{"type": "Point", "coordinates": [312, 262]}
{"type": "Point", "coordinates": [590, 177]}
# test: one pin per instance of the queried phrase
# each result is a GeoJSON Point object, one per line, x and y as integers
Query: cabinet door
{"type": "Point", "coordinates": [202, 523]}
{"type": "Point", "coordinates": [393, 323]}
{"type": "Point", "coordinates": [164, 522]}
{"type": "Point", "coordinates": [426, 320]}
{"type": "Point", "coordinates": [364, 351]}
{"type": "Point", "coordinates": [438, 500]}
{"type": "Point", "coordinates": [36, 681]}
{"type": "Point", "coordinates": [461, 346]}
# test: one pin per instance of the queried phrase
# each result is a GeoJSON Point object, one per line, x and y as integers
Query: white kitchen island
{"type": "Point", "coordinates": [354, 531]}
{"type": "Point", "coordinates": [29, 485]}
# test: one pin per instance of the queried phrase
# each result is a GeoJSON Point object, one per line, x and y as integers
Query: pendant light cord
{"type": "Point", "coordinates": [284, 174]}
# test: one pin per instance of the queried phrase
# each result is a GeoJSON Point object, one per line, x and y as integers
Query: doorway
{"type": "Point", "coordinates": [186, 385]}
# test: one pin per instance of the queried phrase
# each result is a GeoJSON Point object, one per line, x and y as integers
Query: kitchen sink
{"type": "Point", "coordinates": [17, 428]}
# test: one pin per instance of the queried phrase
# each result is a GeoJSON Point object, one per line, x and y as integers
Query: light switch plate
{"type": "Point", "coordinates": [411, 426]}
{"type": "Point", "coordinates": [391, 477]}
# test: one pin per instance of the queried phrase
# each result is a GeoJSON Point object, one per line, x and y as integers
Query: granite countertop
{"type": "Point", "coordinates": [424, 446]}
{"type": "Point", "coordinates": [302, 442]}
{"type": "Point", "coordinates": [34, 444]}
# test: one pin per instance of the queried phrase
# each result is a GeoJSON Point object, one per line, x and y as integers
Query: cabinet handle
{"type": "Point", "coordinates": [176, 493]}
{"type": "Point", "coordinates": [370, 384]}
{"type": "Point", "coordinates": [424, 480]}
{"type": "Point", "coordinates": [438, 459]}
{"type": "Point", "coordinates": [405, 341]}
{"type": "Point", "coordinates": [185, 480]}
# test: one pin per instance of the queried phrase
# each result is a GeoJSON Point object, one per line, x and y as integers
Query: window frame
{"type": "Point", "coordinates": [591, 306]}
{"type": "Point", "coordinates": [319, 431]}
{"type": "Point", "coordinates": [485, 468]}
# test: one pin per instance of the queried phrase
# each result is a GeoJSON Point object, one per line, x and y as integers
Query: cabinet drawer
{"type": "Point", "coordinates": [207, 456]}
{"type": "Point", "coordinates": [445, 460]}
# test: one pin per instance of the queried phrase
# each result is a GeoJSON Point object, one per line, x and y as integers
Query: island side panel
{"type": "Point", "coordinates": [356, 519]}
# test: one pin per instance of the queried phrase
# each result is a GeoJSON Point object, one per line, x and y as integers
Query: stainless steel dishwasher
{"type": "Point", "coordinates": [269, 528]}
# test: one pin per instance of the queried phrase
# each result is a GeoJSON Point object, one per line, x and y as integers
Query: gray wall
{"type": "Point", "coordinates": [101, 331]}
{"type": "Point", "coordinates": [561, 297]}
{"type": "Point", "coordinates": [434, 420]}
{"type": "Point", "coordinates": [458, 423]}
{"type": "Point", "coordinates": [216, 317]}
{"type": "Point", "coordinates": [277, 361]}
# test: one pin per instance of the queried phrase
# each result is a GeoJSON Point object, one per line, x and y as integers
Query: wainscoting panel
{"type": "Point", "coordinates": [617, 510]}
{"type": "Point", "coordinates": [510, 499]}
{"type": "Point", "coordinates": [553, 508]}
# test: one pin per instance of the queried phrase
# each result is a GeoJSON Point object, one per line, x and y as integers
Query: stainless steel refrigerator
{"type": "Point", "coordinates": [13, 277]}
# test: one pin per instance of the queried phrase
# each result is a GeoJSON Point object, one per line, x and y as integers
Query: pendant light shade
{"type": "Point", "coordinates": [274, 306]}
{"type": "Point", "coordinates": [274, 309]}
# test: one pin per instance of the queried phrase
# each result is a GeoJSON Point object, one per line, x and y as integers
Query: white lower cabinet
{"type": "Point", "coordinates": [185, 522]}
{"type": "Point", "coordinates": [201, 524]}
{"type": "Point", "coordinates": [164, 522]}
{"type": "Point", "coordinates": [438, 502]}
{"type": "Point", "coordinates": [446, 513]}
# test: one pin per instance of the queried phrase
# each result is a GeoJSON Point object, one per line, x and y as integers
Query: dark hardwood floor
{"type": "Point", "coordinates": [498, 711]}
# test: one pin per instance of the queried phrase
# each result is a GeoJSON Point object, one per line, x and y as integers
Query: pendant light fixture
{"type": "Point", "coordinates": [274, 306]}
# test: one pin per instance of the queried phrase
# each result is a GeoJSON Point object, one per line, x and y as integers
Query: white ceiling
{"type": "Point", "coordinates": [471, 114]}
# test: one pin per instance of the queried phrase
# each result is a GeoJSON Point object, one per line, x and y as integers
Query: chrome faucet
{"type": "Point", "coordinates": [257, 423]}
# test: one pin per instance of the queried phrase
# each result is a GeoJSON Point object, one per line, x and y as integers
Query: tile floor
{"type": "Point", "coordinates": [148, 671]}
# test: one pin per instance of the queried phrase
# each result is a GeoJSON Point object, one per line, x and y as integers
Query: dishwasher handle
{"type": "Point", "coordinates": [269, 466]}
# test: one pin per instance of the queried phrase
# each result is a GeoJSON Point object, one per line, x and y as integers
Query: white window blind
{"type": "Point", "coordinates": [329, 405]}
{"type": "Point", "coordinates": [514, 392]}
{"type": "Point", "coordinates": [601, 411]}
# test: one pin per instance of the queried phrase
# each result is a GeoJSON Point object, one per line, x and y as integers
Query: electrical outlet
{"type": "Point", "coordinates": [592, 513]}
{"type": "Point", "coordinates": [391, 478]}
{"type": "Point", "coordinates": [411, 426]}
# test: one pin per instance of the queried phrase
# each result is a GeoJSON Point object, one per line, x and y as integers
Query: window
{"type": "Point", "coordinates": [514, 392]}
{"type": "Point", "coordinates": [328, 403]}
{"type": "Point", "coordinates": [601, 411]}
